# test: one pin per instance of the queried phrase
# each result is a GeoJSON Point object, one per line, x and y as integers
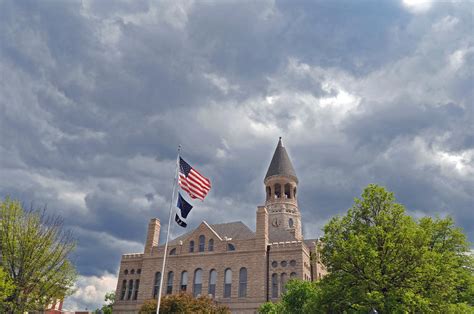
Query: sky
{"type": "Point", "coordinates": [96, 96]}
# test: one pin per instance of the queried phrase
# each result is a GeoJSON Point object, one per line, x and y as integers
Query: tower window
{"type": "Point", "coordinates": [294, 192]}
{"type": "Point", "coordinates": [269, 192]}
{"type": "Point", "coordinates": [287, 190]}
{"type": "Point", "coordinates": [124, 289]}
{"type": "Point", "coordinates": [290, 223]}
{"type": "Point", "coordinates": [277, 190]}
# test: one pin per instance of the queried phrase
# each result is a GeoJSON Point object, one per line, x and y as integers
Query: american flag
{"type": "Point", "coordinates": [192, 181]}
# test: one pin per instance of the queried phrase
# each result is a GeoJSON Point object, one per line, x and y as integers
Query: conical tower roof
{"type": "Point", "coordinates": [281, 164]}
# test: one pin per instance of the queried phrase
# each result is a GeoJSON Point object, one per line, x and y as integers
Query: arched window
{"type": "Point", "coordinates": [287, 190]}
{"type": "Point", "coordinates": [135, 293]}
{"type": "Point", "coordinates": [156, 287]}
{"type": "Point", "coordinates": [269, 192]}
{"type": "Point", "coordinates": [212, 282]}
{"type": "Point", "coordinates": [173, 251]}
{"type": "Point", "coordinates": [130, 289]}
{"type": "Point", "coordinates": [132, 272]}
{"type": "Point", "coordinates": [277, 190]}
{"type": "Point", "coordinates": [202, 243]}
{"type": "Point", "coordinates": [197, 289]}
{"type": "Point", "coordinates": [169, 286]}
{"type": "Point", "coordinates": [191, 246]}
{"type": "Point", "coordinates": [293, 275]}
{"type": "Point", "coordinates": [274, 285]}
{"type": "Point", "coordinates": [125, 272]}
{"type": "Point", "coordinates": [294, 192]}
{"type": "Point", "coordinates": [290, 223]}
{"type": "Point", "coordinates": [124, 290]}
{"type": "Point", "coordinates": [184, 280]}
{"type": "Point", "coordinates": [227, 283]}
{"type": "Point", "coordinates": [283, 280]}
{"type": "Point", "coordinates": [210, 246]}
{"type": "Point", "coordinates": [243, 282]}
{"type": "Point", "coordinates": [230, 247]}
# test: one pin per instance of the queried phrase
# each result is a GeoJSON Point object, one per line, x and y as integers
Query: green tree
{"type": "Point", "coordinates": [35, 256]}
{"type": "Point", "coordinates": [184, 303]}
{"type": "Point", "coordinates": [109, 303]}
{"type": "Point", "coordinates": [381, 258]}
{"type": "Point", "coordinates": [6, 288]}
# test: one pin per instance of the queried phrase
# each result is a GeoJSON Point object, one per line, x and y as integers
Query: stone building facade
{"type": "Point", "coordinates": [228, 261]}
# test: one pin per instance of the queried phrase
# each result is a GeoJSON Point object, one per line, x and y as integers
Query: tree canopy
{"type": "Point", "coordinates": [35, 253]}
{"type": "Point", "coordinates": [378, 257]}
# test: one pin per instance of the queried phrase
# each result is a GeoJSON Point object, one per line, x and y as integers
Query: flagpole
{"type": "Point", "coordinates": [168, 232]}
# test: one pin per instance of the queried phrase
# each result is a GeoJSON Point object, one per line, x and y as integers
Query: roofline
{"type": "Point", "coordinates": [217, 235]}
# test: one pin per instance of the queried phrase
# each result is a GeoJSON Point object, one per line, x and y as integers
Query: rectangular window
{"type": "Point", "coordinates": [227, 290]}
{"type": "Point", "coordinates": [135, 293]}
{"type": "Point", "coordinates": [130, 289]}
{"type": "Point", "coordinates": [124, 289]}
{"type": "Point", "coordinates": [212, 290]}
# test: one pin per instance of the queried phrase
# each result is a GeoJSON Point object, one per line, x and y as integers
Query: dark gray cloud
{"type": "Point", "coordinates": [96, 96]}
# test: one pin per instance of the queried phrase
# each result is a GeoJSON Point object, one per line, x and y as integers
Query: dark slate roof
{"type": "Point", "coordinates": [281, 163]}
{"type": "Point", "coordinates": [236, 230]}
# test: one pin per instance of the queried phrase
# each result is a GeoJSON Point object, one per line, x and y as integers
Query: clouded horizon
{"type": "Point", "coordinates": [95, 97]}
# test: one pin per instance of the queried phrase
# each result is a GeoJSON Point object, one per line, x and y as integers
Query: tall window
{"type": "Point", "coordinates": [202, 243]}
{"type": "Point", "coordinates": [287, 190]}
{"type": "Point", "coordinates": [227, 283]}
{"type": "Point", "coordinates": [124, 289]}
{"type": "Point", "coordinates": [274, 286]}
{"type": "Point", "coordinates": [283, 279]}
{"type": "Point", "coordinates": [243, 282]}
{"type": "Point", "coordinates": [130, 289]}
{"type": "Point", "coordinates": [212, 282]}
{"type": "Point", "coordinates": [156, 287]}
{"type": "Point", "coordinates": [277, 190]}
{"type": "Point", "coordinates": [191, 246]}
{"type": "Point", "coordinates": [169, 286]}
{"type": "Point", "coordinates": [197, 289]}
{"type": "Point", "coordinates": [291, 223]}
{"type": "Point", "coordinates": [184, 280]}
{"type": "Point", "coordinates": [210, 246]}
{"type": "Point", "coordinates": [135, 292]}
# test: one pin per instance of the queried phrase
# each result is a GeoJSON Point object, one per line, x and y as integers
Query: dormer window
{"type": "Point", "coordinates": [230, 247]}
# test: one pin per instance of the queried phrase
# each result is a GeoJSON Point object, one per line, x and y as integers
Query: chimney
{"type": "Point", "coordinates": [153, 235]}
{"type": "Point", "coordinates": [261, 231]}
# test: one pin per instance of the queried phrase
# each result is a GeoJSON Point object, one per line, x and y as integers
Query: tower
{"type": "Point", "coordinates": [281, 202]}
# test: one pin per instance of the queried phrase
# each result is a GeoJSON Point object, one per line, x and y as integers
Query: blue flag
{"type": "Point", "coordinates": [180, 222]}
{"type": "Point", "coordinates": [184, 206]}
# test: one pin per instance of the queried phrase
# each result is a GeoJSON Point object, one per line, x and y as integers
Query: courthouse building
{"type": "Point", "coordinates": [230, 262]}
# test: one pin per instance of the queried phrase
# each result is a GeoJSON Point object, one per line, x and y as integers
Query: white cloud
{"type": "Point", "coordinates": [90, 292]}
{"type": "Point", "coordinates": [417, 6]}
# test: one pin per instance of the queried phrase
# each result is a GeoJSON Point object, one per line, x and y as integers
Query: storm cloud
{"type": "Point", "coordinates": [95, 97]}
